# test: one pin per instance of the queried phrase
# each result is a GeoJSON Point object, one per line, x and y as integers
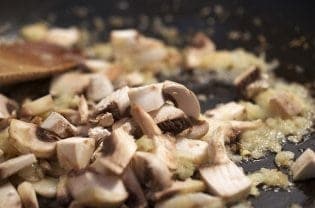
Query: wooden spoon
{"type": "Point", "coordinates": [21, 61]}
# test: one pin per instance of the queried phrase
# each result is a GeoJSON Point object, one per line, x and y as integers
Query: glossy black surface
{"type": "Point", "coordinates": [280, 23]}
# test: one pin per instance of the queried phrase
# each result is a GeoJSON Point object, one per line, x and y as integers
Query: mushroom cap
{"type": "Point", "coordinates": [183, 98]}
{"type": "Point", "coordinates": [93, 189]}
{"type": "Point", "coordinates": [23, 136]}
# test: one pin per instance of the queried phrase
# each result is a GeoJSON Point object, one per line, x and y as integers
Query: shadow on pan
{"type": "Point", "coordinates": [283, 29]}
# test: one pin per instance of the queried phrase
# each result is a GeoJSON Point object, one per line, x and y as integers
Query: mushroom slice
{"type": "Point", "coordinates": [76, 83]}
{"type": "Point", "coordinates": [227, 181]}
{"type": "Point", "coordinates": [136, 196]}
{"type": "Point", "coordinates": [27, 195]}
{"type": "Point", "coordinates": [59, 125]}
{"type": "Point", "coordinates": [241, 126]}
{"type": "Point", "coordinates": [9, 196]}
{"type": "Point", "coordinates": [28, 138]}
{"type": "Point", "coordinates": [192, 200]}
{"type": "Point", "coordinates": [93, 189]}
{"type": "Point", "coordinates": [256, 87]}
{"type": "Point", "coordinates": [83, 110]}
{"type": "Point", "coordinates": [228, 111]}
{"type": "Point", "coordinates": [97, 65]}
{"type": "Point", "coordinates": [223, 178]}
{"type": "Point", "coordinates": [183, 98]}
{"type": "Point", "coordinates": [6, 107]}
{"type": "Point", "coordinates": [197, 130]}
{"type": "Point", "coordinates": [151, 171]}
{"type": "Point", "coordinates": [38, 106]}
{"type": "Point", "coordinates": [149, 97]}
{"type": "Point", "coordinates": [62, 193]}
{"type": "Point", "coordinates": [98, 133]}
{"type": "Point", "coordinates": [170, 119]}
{"type": "Point", "coordinates": [304, 167]}
{"type": "Point", "coordinates": [65, 37]}
{"type": "Point", "coordinates": [180, 187]}
{"type": "Point", "coordinates": [13, 165]}
{"type": "Point", "coordinates": [247, 77]}
{"type": "Point", "coordinates": [75, 153]}
{"type": "Point", "coordinates": [104, 120]}
{"type": "Point", "coordinates": [164, 147]}
{"type": "Point", "coordinates": [285, 104]}
{"type": "Point", "coordinates": [193, 150]}
{"type": "Point", "coordinates": [47, 187]}
{"type": "Point", "coordinates": [116, 103]}
{"type": "Point", "coordinates": [117, 151]}
{"type": "Point", "coordinates": [100, 87]}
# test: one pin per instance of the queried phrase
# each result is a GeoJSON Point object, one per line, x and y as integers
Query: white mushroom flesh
{"type": "Point", "coordinates": [28, 195]}
{"type": "Point", "coordinates": [46, 187]}
{"type": "Point", "coordinates": [304, 167]}
{"type": "Point", "coordinates": [75, 153]}
{"type": "Point", "coordinates": [38, 106]}
{"type": "Point", "coordinates": [9, 196]}
{"type": "Point", "coordinates": [59, 125]}
{"type": "Point", "coordinates": [100, 87]}
{"type": "Point", "coordinates": [12, 166]}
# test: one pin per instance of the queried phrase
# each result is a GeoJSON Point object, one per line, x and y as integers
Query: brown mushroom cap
{"type": "Point", "coordinates": [24, 137]}
{"type": "Point", "coordinates": [183, 98]}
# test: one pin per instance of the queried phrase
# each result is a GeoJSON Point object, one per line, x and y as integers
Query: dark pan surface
{"type": "Point", "coordinates": [279, 23]}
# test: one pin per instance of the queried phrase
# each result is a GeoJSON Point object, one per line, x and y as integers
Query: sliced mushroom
{"type": "Point", "coordinates": [28, 138]}
{"type": "Point", "coordinates": [12, 166]}
{"type": "Point", "coordinates": [132, 79]}
{"type": "Point", "coordinates": [129, 125]}
{"type": "Point", "coordinates": [151, 171]}
{"type": "Point", "coordinates": [98, 133]}
{"type": "Point", "coordinates": [116, 103]}
{"type": "Point", "coordinates": [241, 126]}
{"type": "Point", "coordinates": [149, 97]}
{"type": "Point", "coordinates": [75, 153]}
{"type": "Point", "coordinates": [83, 109]}
{"type": "Point", "coordinates": [47, 187]}
{"type": "Point", "coordinates": [223, 178]}
{"type": "Point", "coordinates": [100, 87]}
{"type": "Point", "coordinates": [145, 121]}
{"type": "Point", "coordinates": [304, 167]}
{"type": "Point", "coordinates": [62, 193]}
{"type": "Point", "coordinates": [65, 37]}
{"type": "Point", "coordinates": [197, 130]}
{"type": "Point", "coordinates": [104, 120]}
{"type": "Point", "coordinates": [285, 104]}
{"type": "Point", "coordinates": [38, 106]}
{"type": "Point", "coordinates": [247, 77]}
{"type": "Point", "coordinates": [136, 196]}
{"type": "Point", "coordinates": [28, 195]}
{"type": "Point", "coordinates": [228, 111]}
{"type": "Point", "coordinates": [180, 187]}
{"type": "Point", "coordinates": [76, 83]}
{"type": "Point", "coordinates": [164, 147]}
{"type": "Point", "coordinates": [117, 151]}
{"type": "Point", "coordinates": [59, 125]}
{"type": "Point", "coordinates": [183, 98]}
{"type": "Point", "coordinates": [170, 119]}
{"type": "Point", "coordinates": [192, 200]}
{"type": "Point", "coordinates": [9, 196]}
{"type": "Point", "coordinates": [193, 150]}
{"type": "Point", "coordinates": [93, 189]}
{"type": "Point", "coordinates": [256, 87]}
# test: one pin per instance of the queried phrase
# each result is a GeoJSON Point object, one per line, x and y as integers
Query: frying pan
{"type": "Point", "coordinates": [285, 30]}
